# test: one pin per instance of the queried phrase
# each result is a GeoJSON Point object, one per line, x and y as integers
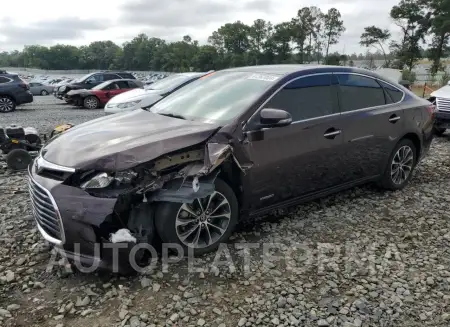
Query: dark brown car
{"type": "Point", "coordinates": [234, 144]}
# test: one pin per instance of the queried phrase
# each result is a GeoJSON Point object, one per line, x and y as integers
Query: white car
{"type": "Point", "coordinates": [441, 98]}
{"type": "Point", "coordinates": [140, 98]}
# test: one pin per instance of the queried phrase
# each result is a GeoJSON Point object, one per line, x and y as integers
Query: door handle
{"type": "Point", "coordinates": [394, 118]}
{"type": "Point", "coordinates": [332, 133]}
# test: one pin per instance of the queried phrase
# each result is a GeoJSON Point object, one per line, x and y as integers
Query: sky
{"type": "Point", "coordinates": [54, 21]}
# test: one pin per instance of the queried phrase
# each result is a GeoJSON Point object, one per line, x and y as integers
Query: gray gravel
{"type": "Point", "coordinates": [359, 258]}
{"type": "Point", "coordinates": [45, 112]}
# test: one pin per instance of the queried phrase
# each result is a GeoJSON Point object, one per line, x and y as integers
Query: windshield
{"type": "Point", "coordinates": [79, 80]}
{"type": "Point", "coordinates": [216, 98]}
{"type": "Point", "coordinates": [171, 81]}
{"type": "Point", "coordinates": [101, 85]}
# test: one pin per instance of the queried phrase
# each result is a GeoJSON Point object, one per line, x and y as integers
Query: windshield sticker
{"type": "Point", "coordinates": [263, 77]}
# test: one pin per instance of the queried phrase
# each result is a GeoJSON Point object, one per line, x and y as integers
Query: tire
{"type": "Point", "coordinates": [439, 131]}
{"type": "Point", "coordinates": [44, 92]}
{"type": "Point", "coordinates": [7, 104]}
{"type": "Point", "coordinates": [167, 213]}
{"type": "Point", "coordinates": [390, 179]}
{"type": "Point", "coordinates": [18, 159]}
{"type": "Point", "coordinates": [91, 102]}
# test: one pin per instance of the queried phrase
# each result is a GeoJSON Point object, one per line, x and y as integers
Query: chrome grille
{"type": "Point", "coordinates": [45, 213]}
{"type": "Point", "coordinates": [443, 104]}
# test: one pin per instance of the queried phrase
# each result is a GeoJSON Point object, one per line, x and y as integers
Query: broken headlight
{"type": "Point", "coordinates": [103, 180]}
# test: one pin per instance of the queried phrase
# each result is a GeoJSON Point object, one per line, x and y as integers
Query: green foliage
{"type": "Point", "coordinates": [409, 76]}
{"type": "Point", "coordinates": [445, 78]}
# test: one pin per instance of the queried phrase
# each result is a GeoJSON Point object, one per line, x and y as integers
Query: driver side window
{"type": "Point", "coordinates": [308, 97]}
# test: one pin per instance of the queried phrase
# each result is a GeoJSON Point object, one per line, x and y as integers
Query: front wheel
{"type": "Point", "coordinates": [91, 102]}
{"type": "Point", "coordinates": [400, 166]}
{"type": "Point", "coordinates": [201, 225]}
{"type": "Point", "coordinates": [44, 92]}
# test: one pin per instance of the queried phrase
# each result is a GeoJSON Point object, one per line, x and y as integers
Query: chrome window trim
{"type": "Point", "coordinates": [331, 115]}
{"type": "Point", "coordinates": [9, 80]}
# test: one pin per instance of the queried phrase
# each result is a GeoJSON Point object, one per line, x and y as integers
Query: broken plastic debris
{"type": "Point", "coordinates": [195, 184]}
{"type": "Point", "coordinates": [122, 235]}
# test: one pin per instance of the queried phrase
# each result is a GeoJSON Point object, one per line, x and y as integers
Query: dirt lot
{"type": "Point", "coordinates": [359, 258]}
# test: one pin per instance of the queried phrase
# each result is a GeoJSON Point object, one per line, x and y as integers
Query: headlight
{"type": "Point", "coordinates": [103, 180]}
{"type": "Point", "coordinates": [128, 104]}
{"type": "Point", "coordinates": [62, 88]}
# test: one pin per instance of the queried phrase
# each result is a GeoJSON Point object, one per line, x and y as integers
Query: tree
{"type": "Point", "coordinates": [414, 22]}
{"type": "Point", "coordinates": [440, 27]}
{"type": "Point", "coordinates": [376, 37]}
{"type": "Point", "coordinates": [333, 28]}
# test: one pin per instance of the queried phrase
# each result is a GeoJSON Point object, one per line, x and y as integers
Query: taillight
{"type": "Point", "coordinates": [25, 86]}
{"type": "Point", "coordinates": [431, 110]}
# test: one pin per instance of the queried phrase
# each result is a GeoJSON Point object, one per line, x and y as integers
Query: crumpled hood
{"type": "Point", "coordinates": [443, 92]}
{"type": "Point", "coordinates": [124, 140]}
{"type": "Point", "coordinates": [132, 95]}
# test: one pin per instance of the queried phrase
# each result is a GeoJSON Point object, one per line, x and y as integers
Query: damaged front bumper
{"type": "Point", "coordinates": [69, 218]}
{"type": "Point", "coordinates": [82, 225]}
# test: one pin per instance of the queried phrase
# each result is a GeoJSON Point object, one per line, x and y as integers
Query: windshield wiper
{"type": "Point", "coordinates": [173, 116]}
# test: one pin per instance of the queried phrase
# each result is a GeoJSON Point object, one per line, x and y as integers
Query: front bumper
{"type": "Point", "coordinates": [442, 119]}
{"type": "Point", "coordinates": [68, 218]}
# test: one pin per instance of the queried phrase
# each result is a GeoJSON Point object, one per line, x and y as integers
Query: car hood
{"type": "Point", "coordinates": [443, 92]}
{"type": "Point", "coordinates": [132, 95]}
{"type": "Point", "coordinates": [124, 140]}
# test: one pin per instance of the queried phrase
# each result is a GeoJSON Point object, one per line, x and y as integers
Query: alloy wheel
{"type": "Point", "coordinates": [203, 222]}
{"type": "Point", "coordinates": [6, 105]}
{"type": "Point", "coordinates": [91, 103]}
{"type": "Point", "coordinates": [44, 92]}
{"type": "Point", "coordinates": [402, 165]}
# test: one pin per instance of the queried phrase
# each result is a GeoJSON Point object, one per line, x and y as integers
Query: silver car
{"type": "Point", "coordinates": [40, 89]}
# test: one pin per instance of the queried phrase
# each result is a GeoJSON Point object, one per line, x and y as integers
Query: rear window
{"type": "Point", "coordinates": [395, 94]}
{"type": "Point", "coordinates": [4, 80]}
{"type": "Point", "coordinates": [126, 75]}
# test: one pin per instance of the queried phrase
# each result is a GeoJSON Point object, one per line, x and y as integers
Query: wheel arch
{"type": "Point", "coordinates": [231, 174]}
{"type": "Point", "coordinates": [413, 137]}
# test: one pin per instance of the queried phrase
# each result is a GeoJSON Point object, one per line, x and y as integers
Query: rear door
{"type": "Point", "coordinates": [372, 124]}
{"type": "Point", "coordinates": [303, 157]}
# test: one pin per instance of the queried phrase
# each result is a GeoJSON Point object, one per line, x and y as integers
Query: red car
{"type": "Point", "coordinates": [99, 95]}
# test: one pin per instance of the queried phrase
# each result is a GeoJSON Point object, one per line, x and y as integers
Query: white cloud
{"type": "Point", "coordinates": [119, 20]}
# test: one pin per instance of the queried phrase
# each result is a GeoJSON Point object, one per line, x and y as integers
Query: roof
{"type": "Point", "coordinates": [287, 69]}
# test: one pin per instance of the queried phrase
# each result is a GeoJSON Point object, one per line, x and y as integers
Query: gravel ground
{"type": "Point", "coordinates": [45, 112]}
{"type": "Point", "coordinates": [359, 258]}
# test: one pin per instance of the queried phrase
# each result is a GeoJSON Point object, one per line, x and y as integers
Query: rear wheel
{"type": "Point", "coordinates": [44, 92]}
{"type": "Point", "coordinates": [201, 225]}
{"type": "Point", "coordinates": [400, 166]}
{"type": "Point", "coordinates": [91, 102]}
{"type": "Point", "coordinates": [439, 131]}
{"type": "Point", "coordinates": [6, 104]}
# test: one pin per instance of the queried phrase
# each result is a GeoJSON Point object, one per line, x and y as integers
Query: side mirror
{"type": "Point", "coordinates": [274, 118]}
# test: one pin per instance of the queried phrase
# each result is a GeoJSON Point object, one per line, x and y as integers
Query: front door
{"type": "Point", "coordinates": [303, 157]}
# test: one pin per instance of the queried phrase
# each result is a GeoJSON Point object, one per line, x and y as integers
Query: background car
{"type": "Point", "coordinates": [13, 92]}
{"type": "Point", "coordinates": [37, 88]}
{"type": "Point", "coordinates": [151, 93]}
{"type": "Point", "coordinates": [441, 98]}
{"type": "Point", "coordinates": [90, 80]}
{"type": "Point", "coordinates": [99, 95]}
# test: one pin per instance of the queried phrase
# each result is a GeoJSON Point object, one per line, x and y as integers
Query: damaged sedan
{"type": "Point", "coordinates": [232, 145]}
